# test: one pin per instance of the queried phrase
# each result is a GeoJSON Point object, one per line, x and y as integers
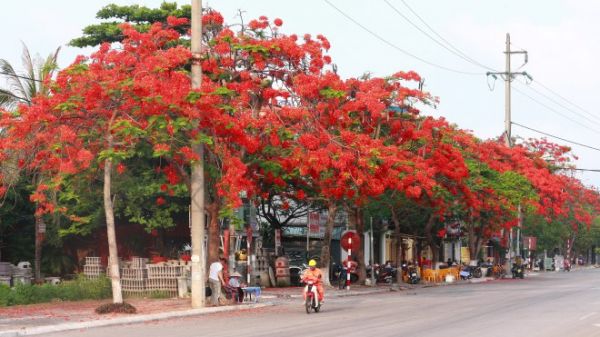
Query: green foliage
{"type": "Point", "coordinates": [158, 294]}
{"type": "Point", "coordinates": [332, 93]}
{"type": "Point", "coordinates": [55, 261]}
{"type": "Point", "coordinates": [82, 197]}
{"type": "Point", "coordinates": [17, 222]}
{"type": "Point", "coordinates": [550, 234]}
{"type": "Point", "coordinates": [79, 289]}
{"type": "Point", "coordinates": [140, 17]}
{"type": "Point", "coordinates": [224, 91]}
{"type": "Point", "coordinates": [137, 191]}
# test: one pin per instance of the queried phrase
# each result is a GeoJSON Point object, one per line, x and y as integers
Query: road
{"type": "Point", "coordinates": [552, 304]}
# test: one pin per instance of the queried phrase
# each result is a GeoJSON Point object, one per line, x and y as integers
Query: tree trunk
{"type": "Point", "coordinates": [360, 255]}
{"type": "Point", "coordinates": [397, 234]}
{"type": "Point", "coordinates": [214, 241]}
{"type": "Point", "coordinates": [472, 242]}
{"type": "Point", "coordinates": [231, 254]}
{"type": "Point", "coordinates": [435, 248]}
{"type": "Point", "coordinates": [325, 250]}
{"type": "Point", "coordinates": [39, 239]}
{"type": "Point", "coordinates": [113, 255]}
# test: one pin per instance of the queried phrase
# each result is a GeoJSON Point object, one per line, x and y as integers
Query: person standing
{"type": "Point", "coordinates": [216, 280]}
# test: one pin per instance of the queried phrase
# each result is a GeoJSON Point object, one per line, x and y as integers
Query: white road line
{"type": "Point", "coordinates": [587, 316]}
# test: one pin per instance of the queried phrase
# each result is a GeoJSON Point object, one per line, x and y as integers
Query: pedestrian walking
{"type": "Point", "coordinates": [216, 280]}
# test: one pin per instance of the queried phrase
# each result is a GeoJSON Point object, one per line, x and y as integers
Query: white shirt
{"type": "Point", "coordinates": [215, 268]}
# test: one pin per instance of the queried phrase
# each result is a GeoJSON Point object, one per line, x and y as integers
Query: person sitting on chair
{"type": "Point", "coordinates": [234, 287]}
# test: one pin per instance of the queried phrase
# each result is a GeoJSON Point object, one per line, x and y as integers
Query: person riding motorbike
{"type": "Point", "coordinates": [314, 274]}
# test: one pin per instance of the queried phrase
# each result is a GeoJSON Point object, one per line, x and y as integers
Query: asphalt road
{"type": "Point", "coordinates": [553, 304]}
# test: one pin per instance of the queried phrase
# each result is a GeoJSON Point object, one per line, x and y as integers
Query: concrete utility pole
{"type": "Point", "coordinates": [508, 77]}
{"type": "Point", "coordinates": [372, 253]}
{"type": "Point", "coordinates": [197, 177]}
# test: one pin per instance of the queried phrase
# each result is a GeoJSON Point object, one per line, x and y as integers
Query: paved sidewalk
{"type": "Point", "coordinates": [36, 319]}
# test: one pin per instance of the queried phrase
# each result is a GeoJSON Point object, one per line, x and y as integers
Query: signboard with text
{"type": "Point", "coordinates": [314, 225]}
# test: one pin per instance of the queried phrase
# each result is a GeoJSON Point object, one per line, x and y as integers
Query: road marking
{"type": "Point", "coordinates": [587, 316]}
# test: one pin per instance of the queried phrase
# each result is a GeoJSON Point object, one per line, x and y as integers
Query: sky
{"type": "Point", "coordinates": [560, 37]}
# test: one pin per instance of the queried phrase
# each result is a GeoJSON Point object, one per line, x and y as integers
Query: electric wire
{"type": "Point", "coordinates": [580, 169]}
{"type": "Point", "coordinates": [555, 111]}
{"type": "Point", "coordinates": [382, 39]}
{"type": "Point", "coordinates": [20, 76]}
{"type": "Point", "coordinates": [465, 55]}
{"type": "Point", "coordinates": [562, 105]}
{"type": "Point", "coordinates": [566, 100]}
{"type": "Point", "coordinates": [554, 136]}
{"type": "Point", "coordinates": [451, 50]}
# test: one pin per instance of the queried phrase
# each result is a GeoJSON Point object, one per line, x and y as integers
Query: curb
{"type": "Point", "coordinates": [38, 330]}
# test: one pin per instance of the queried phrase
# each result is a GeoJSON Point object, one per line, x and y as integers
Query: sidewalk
{"type": "Point", "coordinates": [36, 319]}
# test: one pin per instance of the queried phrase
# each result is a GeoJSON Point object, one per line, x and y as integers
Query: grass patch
{"type": "Point", "coordinates": [158, 294]}
{"type": "Point", "coordinates": [79, 289]}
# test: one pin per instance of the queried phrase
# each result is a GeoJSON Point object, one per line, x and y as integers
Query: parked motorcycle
{"type": "Point", "coordinates": [468, 272]}
{"type": "Point", "coordinates": [413, 275]}
{"type": "Point", "coordinates": [518, 271]}
{"type": "Point", "coordinates": [340, 274]}
{"type": "Point", "coordinates": [385, 274]}
{"type": "Point", "coordinates": [476, 271]}
{"type": "Point", "coordinates": [465, 273]}
{"type": "Point", "coordinates": [311, 297]}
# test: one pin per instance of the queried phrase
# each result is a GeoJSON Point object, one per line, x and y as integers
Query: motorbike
{"type": "Point", "coordinates": [340, 274]}
{"type": "Point", "coordinates": [498, 271]}
{"type": "Point", "coordinates": [476, 271]}
{"type": "Point", "coordinates": [465, 273]}
{"type": "Point", "coordinates": [468, 272]}
{"type": "Point", "coordinates": [311, 296]}
{"type": "Point", "coordinates": [385, 274]}
{"type": "Point", "coordinates": [413, 276]}
{"type": "Point", "coordinates": [517, 271]}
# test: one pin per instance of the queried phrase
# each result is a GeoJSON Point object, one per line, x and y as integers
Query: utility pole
{"type": "Point", "coordinates": [508, 77]}
{"type": "Point", "coordinates": [197, 177]}
{"type": "Point", "coordinates": [372, 253]}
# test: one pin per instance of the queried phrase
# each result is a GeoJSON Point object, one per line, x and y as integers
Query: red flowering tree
{"type": "Point", "coordinates": [97, 112]}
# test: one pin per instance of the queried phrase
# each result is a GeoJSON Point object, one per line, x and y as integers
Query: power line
{"type": "Point", "coordinates": [566, 100]}
{"type": "Point", "coordinates": [556, 111]}
{"type": "Point", "coordinates": [382, 39]}
{"type": "Point", "coordinates": [557, 137]}
{"type": "Point", "coordinates": [13, 95]}
{"type": "Point", "coordinates": [579, 169]}
{"type": "Point", "coordinates": [466, 57]}
{"type": "Point", "coordinates": [460, 55]}
{"type": "Point", "coordinates": [463, 55]}
{"type": "Point", "coordinates": [19, 76]}
{"type": "Point", "coordinates": [563, 106]}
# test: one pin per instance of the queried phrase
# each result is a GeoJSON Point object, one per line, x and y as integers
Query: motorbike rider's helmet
{"type": "Point", "coordinates": [312, 263]}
